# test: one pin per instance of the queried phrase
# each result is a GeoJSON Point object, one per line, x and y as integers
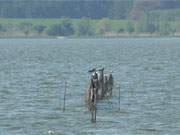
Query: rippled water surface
{"type": "Point", "coordinates": [33, 71]}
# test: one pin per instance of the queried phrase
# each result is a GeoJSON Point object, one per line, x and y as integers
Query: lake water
{"type": "Point", "coordinates": [33, 72]}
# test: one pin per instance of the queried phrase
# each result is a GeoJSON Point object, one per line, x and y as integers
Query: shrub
{"type": "Point", "coordinates": [84, 28]}
{"type": "Point", "coordinates": [65, 28]}
{"type": "Point", "coordinates": [39, 28]}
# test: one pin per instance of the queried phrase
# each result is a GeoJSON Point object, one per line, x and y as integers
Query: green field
{"type": "Point", "coordinates": [47, 22]}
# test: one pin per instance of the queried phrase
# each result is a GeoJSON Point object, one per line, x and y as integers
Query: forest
{"type": "Point", "coordinates": [89, 18]}
{"type": "Point", "coordinates": [95, 9]}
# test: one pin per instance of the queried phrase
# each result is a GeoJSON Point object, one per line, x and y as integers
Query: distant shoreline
{"type": "Point", "coordinates": [83, 28]}
{"type": "Point", "coordinates": [90, 37]}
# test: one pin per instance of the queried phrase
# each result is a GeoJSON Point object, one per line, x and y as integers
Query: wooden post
{"type": "Point", "coordinates": [95, 101]}
{"type": "Point", "coordinates": [102, 82]}
{"type": "Point", "coordinates": [119, 97]}
{"type": "Point", "coordinates": [93, 109]}
{"type": "Point", "coordinates": [64, 105]}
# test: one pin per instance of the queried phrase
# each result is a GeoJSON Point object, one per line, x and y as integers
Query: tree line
{"type": "Point", "coordinates": [67, 27]}
{"type": "Point", "coordinates": [94, 9]}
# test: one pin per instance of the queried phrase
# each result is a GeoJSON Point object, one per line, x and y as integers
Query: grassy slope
{"type": "Point", "coordinates": [115, 24]}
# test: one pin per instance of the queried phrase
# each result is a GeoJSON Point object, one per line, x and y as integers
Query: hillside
{"type": "Point", "coordinates": [94, 9]}
{"type": "Point", "coordinates": [74, 18]}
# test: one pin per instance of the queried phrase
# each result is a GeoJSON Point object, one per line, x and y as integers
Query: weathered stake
{"type": "Point", "coordinates": [119, 97]}
{"type": "Point", "coordinates": [64, 105]}
{"type": "Point", "coordinates": [93, 107]}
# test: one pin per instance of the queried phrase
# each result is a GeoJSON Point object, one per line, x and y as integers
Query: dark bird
{"type": "Point", "coordinates": [92, 70]}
